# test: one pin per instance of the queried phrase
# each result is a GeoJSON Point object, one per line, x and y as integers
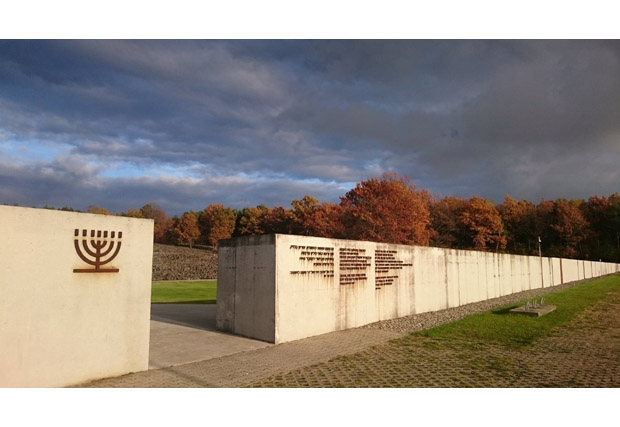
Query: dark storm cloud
{"type": "Point", "coordinates": [249, 122]}
{"type": "Point", "coordinates": [562, 92]}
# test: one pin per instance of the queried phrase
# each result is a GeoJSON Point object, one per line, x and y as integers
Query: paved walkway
{"type": "Point", "coordinates": [584, 353]}
{"type": "Point", "coordinates": [243, 368]}
{"type": "Point", "coordinates": [184, 333]}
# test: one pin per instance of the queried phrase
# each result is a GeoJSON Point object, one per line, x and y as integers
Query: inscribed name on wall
{"type": "Point", "coordinates": [387, 267]}
{"type": "Point", "coordinates": [314, 260]}
{"type": "Point", "coordinates": [354, 264]}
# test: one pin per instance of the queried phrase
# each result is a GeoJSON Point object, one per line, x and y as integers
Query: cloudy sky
{"type": "Point", "coordinates": [187, 123]}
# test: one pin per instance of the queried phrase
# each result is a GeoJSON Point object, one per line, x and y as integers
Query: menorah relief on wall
{"type": "Point", "coordinates": [97, 250]}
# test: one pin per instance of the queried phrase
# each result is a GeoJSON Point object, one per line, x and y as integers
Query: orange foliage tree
{"type": "Point", "coordinates": [519, 218]}
{"type": "Point", "coordinates": [94, 209]}
{"type": "Point", "coordinates": [186, 230]}
{"type": "Point", "coordinates": [217, 223]}
{"type": "Point", "coordinates": [251, 221]}
{"type": "Point", "coordinates": [570, 225]}
{"type": "Point", "coordinates": [603, 215]}
{"type": "Point", "coordinates": [448, 231]}
{"type": "Point", "coordinates": [162, 225]}
{"type": "Point", "coordinates": [277, 220]}
{"type": "Point", "coordinates": [133, 213]}
{"type": "Point", "coordinates": [300, 214]}
{"type": "Point", "coordinates": [326, 221]}
{"type": "Point", "coordinates": [389, 209]}
{"type": "Point", "coordinates": [484, 224]}
{"type": "Point", "coordinates": [613, 222]}
{"type": "Point", "coordinates": [310, 218]}
{"type": "Point", "coordinates": [543, 218]}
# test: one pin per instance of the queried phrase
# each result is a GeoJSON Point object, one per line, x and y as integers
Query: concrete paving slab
{"type": "Point", "coordinates": [185, 333]}
{"type": "Point", "coordinates": [199, 316]}
{"type": "Point", "coordinates": [533, 311]}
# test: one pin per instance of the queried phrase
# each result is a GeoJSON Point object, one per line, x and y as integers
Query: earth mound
{"type": "Point", "coordinates": [182, 263]}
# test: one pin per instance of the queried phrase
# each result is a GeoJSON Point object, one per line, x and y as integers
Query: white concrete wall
{"type": "Point", "coordinates": [58, 327]}
{"type": "Point", "coordinates": [282, 288]}
{"type": "Point", "coordinates": [309, 295]}
{"type": "Point", "coordinates": [556, 271]}
{"type": "Point", "coordinates": [570, 269]}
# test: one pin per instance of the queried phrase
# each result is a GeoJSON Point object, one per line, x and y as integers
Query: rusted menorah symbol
{"type": "Point", "coordinates": [97, 249]}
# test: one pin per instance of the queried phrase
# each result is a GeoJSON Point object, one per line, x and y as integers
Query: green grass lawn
{"type": "Point", "coordinates": [184, 292]}
{"type": "Point", "coordinates": [518, 331]}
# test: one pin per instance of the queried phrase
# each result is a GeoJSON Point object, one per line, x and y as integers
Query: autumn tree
{"type": "Point", "coordinates": [133, 213]}
{"type": "Point", "coordinates": [309, 218]}
{"type": "Point", "coordinates": [543, 218]}
{"type": "Point", "coordinates": [94, 209]}
{"type": "Point", "coordinates": [484, 224]}
{"type": "Point", "coordinates": [326, 221]}
{"type": "Point", "coordinates": [613, 221]}
{"type": "Point", "coordinates": [570, 226]}
{"type": "Point", "coordinates": [250, 221]}
{"type": "Point", "coordinates": [217, 223]}
{"type": "Point", "coordinates": [162, 225]}
{"type": "Point", "coordinates": [186, 230]}
{"type": "Point", "coordinates": [68, 209]}
{"type": "Point", "coordinates": [388, 209]}
{"type": "Point", "coordinates": [301, 213]}
{"type": "Point", "coordinates": [448, 230]}
{"type": "Point", "coordinates": [277, 220]}
{"type": "Point", "coordinates": [603, 216]}
{"type": "Point", "coordinates": [596, 244]}
{"type": "Point", "coordinates": [519, 219]}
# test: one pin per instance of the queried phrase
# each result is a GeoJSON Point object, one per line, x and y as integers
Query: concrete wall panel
{"type": "Point", "coordinates": [505, 274]}
{"type": "Point", "coordinates": [570, 269]}
{"type": "Point", "coordinates": [555, 271]}
{"type": "Point", "coordinates": [468, 276]}
{"type": "Point", "coordinates": [323, 285]}
{"type": "Point", "coordinates": [535, 272]}
{"type": "Point", "coordinates": [516, 284]}
{"type": "Point", "coordinates": [547, 272]}
{"type": "Point", "coordinates": [493, 288]}
{"type": "Point", "coordinates": [226, 291]}
{"type": "Point", "coordinates": [431, 289]}
{"type": "Point", "coordinates": [452, 277]}
{"type": "Point", "coordinates": [58, 326]}
{"type": "Point", "coordinates": [246, 278]}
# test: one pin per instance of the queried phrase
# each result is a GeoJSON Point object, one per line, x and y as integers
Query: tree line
{"type": "Point", "coordinates": [391, 209]}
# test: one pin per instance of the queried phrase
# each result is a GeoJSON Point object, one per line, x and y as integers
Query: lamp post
{"type": "Point", "coordinates": [542, 276]}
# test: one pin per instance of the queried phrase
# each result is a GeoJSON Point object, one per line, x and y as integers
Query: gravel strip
{"type": "Point", "coordinates": [423, 321]}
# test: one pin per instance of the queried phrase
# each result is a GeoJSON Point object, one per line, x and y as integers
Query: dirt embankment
{"type": "Point", "coordinates": [180, 263]}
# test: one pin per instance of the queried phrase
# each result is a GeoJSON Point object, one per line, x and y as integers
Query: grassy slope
{"type": "Point", "coordinates": [517, 331]}
{"type": "Point", "coordinates": [192, 292]}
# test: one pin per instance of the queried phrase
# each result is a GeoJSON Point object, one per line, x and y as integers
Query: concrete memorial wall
{"type": "Point", "coordinates": [280, 288]}
{"type": "Point", "coordinates": [75, 293]}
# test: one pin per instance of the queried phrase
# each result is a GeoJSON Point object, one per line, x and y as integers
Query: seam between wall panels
{"type": "Point", "coordinates": [276, 332]}
{"type": "Point", "coordinates": [234, 304]}
{"type": "Point", "coordinates": [445, 267]}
